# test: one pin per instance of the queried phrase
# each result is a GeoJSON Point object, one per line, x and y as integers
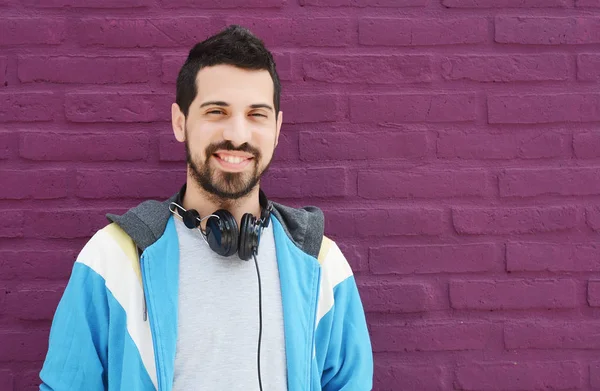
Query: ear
{"type": "Point", "coordinates": [178, 122]}
{"type": "Point", "coordinates": [279, 122]}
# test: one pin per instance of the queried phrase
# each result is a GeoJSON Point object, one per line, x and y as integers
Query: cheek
{"type": "Point", "coordinates": [267, 143]}
{"type": "Point", "coordinates": [199, 139]}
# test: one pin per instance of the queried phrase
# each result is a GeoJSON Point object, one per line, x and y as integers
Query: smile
{"type": "Point", "coordinates": [232, 163]}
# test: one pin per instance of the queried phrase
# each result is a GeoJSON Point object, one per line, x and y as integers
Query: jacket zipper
{"type": "Point", "coordinates": [145, 309]}
{"type": "Point", "coordinates": [148, 310]}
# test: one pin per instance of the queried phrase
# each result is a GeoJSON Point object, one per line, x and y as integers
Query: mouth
{"type": "Point", "coordinates": [232, 162]}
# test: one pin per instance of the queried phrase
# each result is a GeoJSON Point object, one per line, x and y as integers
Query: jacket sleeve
{"type": "Point", "coordinates": [77, 350]}
{"type": "Point", "coordinates": [348, 361]}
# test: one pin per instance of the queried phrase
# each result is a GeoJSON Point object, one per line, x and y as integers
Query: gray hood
{"type": "Point", "coordinates": [146, 223]}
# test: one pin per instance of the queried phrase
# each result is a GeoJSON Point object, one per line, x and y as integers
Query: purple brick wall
{"type": "Point", "coordinates": [454, 146]}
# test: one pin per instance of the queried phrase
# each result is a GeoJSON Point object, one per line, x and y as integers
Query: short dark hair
{"type": "Point", "coordinates": [235, 46]}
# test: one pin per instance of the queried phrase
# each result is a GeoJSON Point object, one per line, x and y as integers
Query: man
{"type": "Point", "coordinates": [164, 298]}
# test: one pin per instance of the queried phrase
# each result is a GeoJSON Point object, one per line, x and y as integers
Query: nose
{"type": "Point", "coordinates": [237, 130]}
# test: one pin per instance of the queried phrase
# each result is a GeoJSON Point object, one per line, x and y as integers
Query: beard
{"type": "Point", "coordinates": [225, 187]}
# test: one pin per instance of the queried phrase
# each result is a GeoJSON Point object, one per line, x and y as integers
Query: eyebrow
{"type": "Point", "coordinates": [225, 104]}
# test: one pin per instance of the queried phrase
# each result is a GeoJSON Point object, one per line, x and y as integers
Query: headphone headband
{"type": "Point", "coordinates": [266, 206]}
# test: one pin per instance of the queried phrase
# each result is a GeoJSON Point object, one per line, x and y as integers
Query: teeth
{"type": "Point", "coordinates": [232, 159]}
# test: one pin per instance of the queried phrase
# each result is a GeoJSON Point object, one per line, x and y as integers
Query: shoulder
{"type": "Point", "coordinates": [304, 226]}
{"type": "Point", "coordinates": [111, 253]}
{"type": "Point", "coordinates": [334, 266]}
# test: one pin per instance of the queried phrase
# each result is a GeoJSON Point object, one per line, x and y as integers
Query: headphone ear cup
{"type": "Point", "coordinates": [190, 218]}
{"type": "Point", "coordinates": [222, 233]}
{"type": "Point", "coordinates": [248, 236]}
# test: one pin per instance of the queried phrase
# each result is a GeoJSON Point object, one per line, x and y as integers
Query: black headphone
{"type": "Point", "coordinates": [222, 233]}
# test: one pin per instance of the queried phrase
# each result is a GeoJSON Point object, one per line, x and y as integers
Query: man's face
{"type": "Point", "coordinates": [231, 130]}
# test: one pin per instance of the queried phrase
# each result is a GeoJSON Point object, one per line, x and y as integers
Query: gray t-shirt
{"type": "Point", "coordinates": [218, 318]}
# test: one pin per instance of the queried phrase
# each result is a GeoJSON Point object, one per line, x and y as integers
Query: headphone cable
{"type": "Point", "coordinates": [260, 322]}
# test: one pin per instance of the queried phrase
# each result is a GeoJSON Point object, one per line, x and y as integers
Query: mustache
{"type": "Point", "coordinates": [228, 146]}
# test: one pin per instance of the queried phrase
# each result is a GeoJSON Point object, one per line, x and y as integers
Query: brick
{"type": "Point", "coordinates": [23, 346]}
{"type": "Point", "coordinates": [11, 224]}
{"type": "Point", "coordinates": [29, 106]}
{"type": "Point", "coordinates": [6, 380]}
{"type": "Point", "coordinates": [287, 148]}
{"type": "Point", "coordinates": [6, 144]}
{"type": "Point", "coordinates": [36, 264]}
{"type": "Point", "coordinates": [563, 182]}
{"type": "Point", "coordinates": [311, 182]}
{"type": "Point", "coordinates": [3, 67]}
{"type": "Point", "coordinates": [312, 108]}
{"type": "Point", "coordinates": [36, 184]}
{"type": "Point", "coordinates": [507, 3]}
{"type": "Point", "coordinates": [356, 255]}
{"type": "Point", "coordinates": [182, 31]}
{"type": "Point", "coordinates": [592, 216]}
{"type": "Point", "coordinates": [223, 4]}
{"type": "Point", "coordinates": [83, 147]}
{"type": "Point", "coordinates": [566, 257]}
{"type": "Point", "coordinates": [98, 184]}
{"type": "Point", "coordinates": [391, 69]}
{"type": "Point", "coordinates": [41, 303]}
{"type": "Point", "coordinates": [412, 377]}
{"type": "Point", "coordinates": [65, 224]}
{"type": "Point", "coordinates": [523, 220]}
{"type": "Point", "coordinates": [552, 335]}
{"type": "Point", "coordinates": [365, 3]}
{"type": "Point", "coordinates": [386, 184]}
{"type": "Point", "coordinates": [323, 32]}
{"type": "Point", "coordinates": [84, 69]}
{"type": "Point", "coordinates": [28, 380]}
{"type": "Point", "coordinates": [535, 145]}
{"type": "Point", "coordinates": [547, 30]}
{"type": "Point", "coordinates": [422, 31]}
{"type": "Point", "coordinates": [593, 293]}
{"type": "Point", "coordinates": [320, 146]}
{"type": "Point", "coordinates": [595, 371]}
{"type": "Point", "coordinates": [117, 107]}
{"type": "Point", "coordinates": [588, 67]}
{"type": "Point", "coordinates": [301, 31]}
{"type": "Point", "coordinates": [465, 258]}
{"type": "Point", "coordinates": [519, 375]}
{"type": "Point", "coordinates": [398, 297]}
{"type": "Point", "coordinates": [586, 145]}
{"type": "Point", "coordinates": [170, 67]}
{"type": "Point", "coordinates": [171, 150]}
{"type": "Point", "coordinates": [284, 65]}
{"type": "Point", "coordinates": [587, 3]}
{"type": "Point", "coordinates": [32, 31]}
{"type": "Point", "coordinates": [513, 294]}
{"type": "Point", "coordinates": [87, 3]}
{"type": "Point", "coordinates": [413, 108]}
{"type": "Point", "coordinates": [531, 109]}
{"type": "Point", "coordinates": [506, 68]}
{"type": "Point", "coordinates": [385, 222]}
{"type": "Point", "coordinates": [429, 336]}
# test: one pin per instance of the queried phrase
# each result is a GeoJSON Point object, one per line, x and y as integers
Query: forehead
{"type": "Point", "coordinates": [234, 85]}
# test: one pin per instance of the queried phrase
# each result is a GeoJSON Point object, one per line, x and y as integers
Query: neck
{"type": "Point", "coordinates": [197, 198]}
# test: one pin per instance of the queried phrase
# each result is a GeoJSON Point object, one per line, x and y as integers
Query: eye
{"type": "Point", "coordinates": [215, 112]}
{"type": "Point", "coordinates": [258, 115]}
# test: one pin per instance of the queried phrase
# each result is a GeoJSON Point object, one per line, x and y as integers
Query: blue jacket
{"type": "Point", "coordinates": [115, 327]}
